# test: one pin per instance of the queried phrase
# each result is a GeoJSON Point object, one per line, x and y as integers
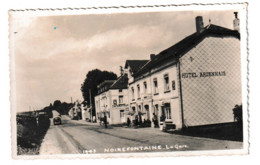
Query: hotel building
{"type": "Point", "coordinates": [195, 82]}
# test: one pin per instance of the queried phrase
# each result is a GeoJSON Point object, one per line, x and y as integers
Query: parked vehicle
{"type": "Point", "coordinates": [56, 117]}
{"type": "Point", "coordinates": [57, 120]}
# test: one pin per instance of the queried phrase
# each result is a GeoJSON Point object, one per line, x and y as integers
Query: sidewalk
{"type": "Point", "coordinates": [54, 143]}
{"type": "Point", "coordinates": [146, 131]}
{"type": "Point", "coordinates": [143, 129]}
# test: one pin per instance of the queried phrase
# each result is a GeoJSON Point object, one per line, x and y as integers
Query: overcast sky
{"type": "Point", "coordinates": [53, 54]}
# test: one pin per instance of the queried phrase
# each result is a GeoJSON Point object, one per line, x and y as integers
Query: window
{"type": "Point", "coordinates": [173, 85]}
{"type": "Point", "coordinates": [121, 99]}
{"type": "Point", "coordinates": [133, 93]}
{"type": "Point", "coordinates": [145, 87]}
{"type": "Point", "coordinates": [167, 108]}
{"type": "Point", "coordinates": [139, 108]}
{"type": "Point", "coordinates": [155, 85]}
{"type": "Point", "coordinates": [133, 109]}
{"type": "Point", "coordinates": [122, 114]}
{"type": "Point", "coordinates": [114, 102]}
{"type": "Point", "coordinates": [166, 83]}
{"type": "Point", "coordinates": [138, 91]}
{"type": "Point", "coordinates": [120, 90]}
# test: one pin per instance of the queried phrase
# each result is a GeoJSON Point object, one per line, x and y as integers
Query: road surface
{"type": "Point", "coordinates": [75, 137]}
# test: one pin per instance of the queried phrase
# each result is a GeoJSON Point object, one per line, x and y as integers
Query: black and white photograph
{"type": "Point", "coordinates": [122, 82]}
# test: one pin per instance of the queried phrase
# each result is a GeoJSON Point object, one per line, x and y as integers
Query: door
{"type": "Point", "coordinates": [147, 110]}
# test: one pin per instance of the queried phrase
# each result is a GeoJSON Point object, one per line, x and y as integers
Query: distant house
{"type": "Point", "coordinates": [112, 100]}
{"type": "Point", "coordinates": [195, 82]}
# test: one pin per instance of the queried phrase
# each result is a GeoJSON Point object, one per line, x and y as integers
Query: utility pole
{"type": "Point", "coordinates": [90, 105]}
{"type": "Point", "coordinates": [121, 71]}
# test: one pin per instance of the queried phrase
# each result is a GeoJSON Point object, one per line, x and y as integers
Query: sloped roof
{"type": "Point", "coordinates": [106, 83]}
{"type": "Point", "coordinates": [120, 83]}
{"type": "Point", "coordinates": [186, 44]}
{"type": "Point", "coordinates": [135, 65]}
{"type": "Point", "coordinates": [104, 86]}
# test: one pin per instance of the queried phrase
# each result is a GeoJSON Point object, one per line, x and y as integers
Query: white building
{"type": "Point", "coordinates": [194, 82]}
{"type": "Point", "coordinates": [112, 100]}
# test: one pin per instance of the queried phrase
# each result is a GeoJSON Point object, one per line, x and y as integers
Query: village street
{"type": "Point", "coordinates": [74, 137]}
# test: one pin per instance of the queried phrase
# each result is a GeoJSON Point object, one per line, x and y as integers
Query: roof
{"type": "Point", "coordinates": [183, 46]}
{"type": "Point", "coordinates": [120, 83]}
{"type": "Point", "coordinates": [104, 86]}
{"type": "Point", "coordinates": [135, 65]}
{"type": "Point", "coordinates": [106, 83]}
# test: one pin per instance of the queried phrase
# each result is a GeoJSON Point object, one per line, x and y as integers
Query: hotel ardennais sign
{"type": "Point", "coordinates": [203, 74]}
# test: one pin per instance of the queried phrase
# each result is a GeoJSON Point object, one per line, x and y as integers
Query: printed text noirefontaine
{"type": "Point", "coordinates": [146, 148]}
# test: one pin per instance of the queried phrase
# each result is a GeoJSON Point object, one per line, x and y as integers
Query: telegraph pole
{"type": "Point", "coordinates": [90, 105]}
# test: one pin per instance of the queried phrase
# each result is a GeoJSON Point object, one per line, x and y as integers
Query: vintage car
{"type": "Point", "coordinates": [57, 120]}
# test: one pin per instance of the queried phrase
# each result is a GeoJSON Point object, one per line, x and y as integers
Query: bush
{"type": "Point", "coordinates": [237, 112]}
{"type": "Point", "coordinates": [30, 133]}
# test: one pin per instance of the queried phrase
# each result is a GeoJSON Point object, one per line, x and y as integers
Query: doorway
{"type": "Point", "coordinates": [147, 110]}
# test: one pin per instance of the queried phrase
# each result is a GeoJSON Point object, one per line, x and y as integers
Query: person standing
{"type": "Point", "coordinates": [100, 121]}
{"type": "Point", "coordinates": [155, 120]}
{"type": "Point", "coordinates": [128, 122]}
{"type": "Point", "coordinates": [136, 120]}
{"type": "Point", "coordinates": [105, 121]}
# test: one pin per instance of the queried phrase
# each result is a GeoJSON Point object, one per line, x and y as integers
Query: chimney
{"type": "Point", "coordinates": [199, 24]}
{"type": "Point", "coordinates": [236, 22]}
{"type": "Point", "coordinates": [152, 56]}
{"type": "Point", "coordinates": [121, 71]}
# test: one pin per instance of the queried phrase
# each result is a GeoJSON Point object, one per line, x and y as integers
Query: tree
{"type": "Point", "coordinates": [56, 103]}
{"type": "Point", "coordinates": [61, 107]}
{"type": "Point", "coordinates": [92, 80]}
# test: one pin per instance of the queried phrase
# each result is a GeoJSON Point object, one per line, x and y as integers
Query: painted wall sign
{"type": "Point", "coordinates": [203, 74]}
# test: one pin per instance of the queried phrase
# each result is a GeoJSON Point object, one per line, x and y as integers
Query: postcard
{"type": "Point", "coordinates": [136, 81]}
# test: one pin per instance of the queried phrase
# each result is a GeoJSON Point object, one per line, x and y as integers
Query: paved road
{"type": "Point", "coordinates": [83, 137]}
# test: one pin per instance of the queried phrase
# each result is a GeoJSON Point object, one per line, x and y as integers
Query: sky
{"type": "Point", "coordinates": [53, 54]}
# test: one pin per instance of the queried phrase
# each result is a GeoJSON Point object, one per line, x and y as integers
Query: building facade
{"type": "Point", "coordinates": [112, 100]}
{"type": "Point", "coordinates": [194, 82]}
{"type": "Point", "coordinates": [155, 92]}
